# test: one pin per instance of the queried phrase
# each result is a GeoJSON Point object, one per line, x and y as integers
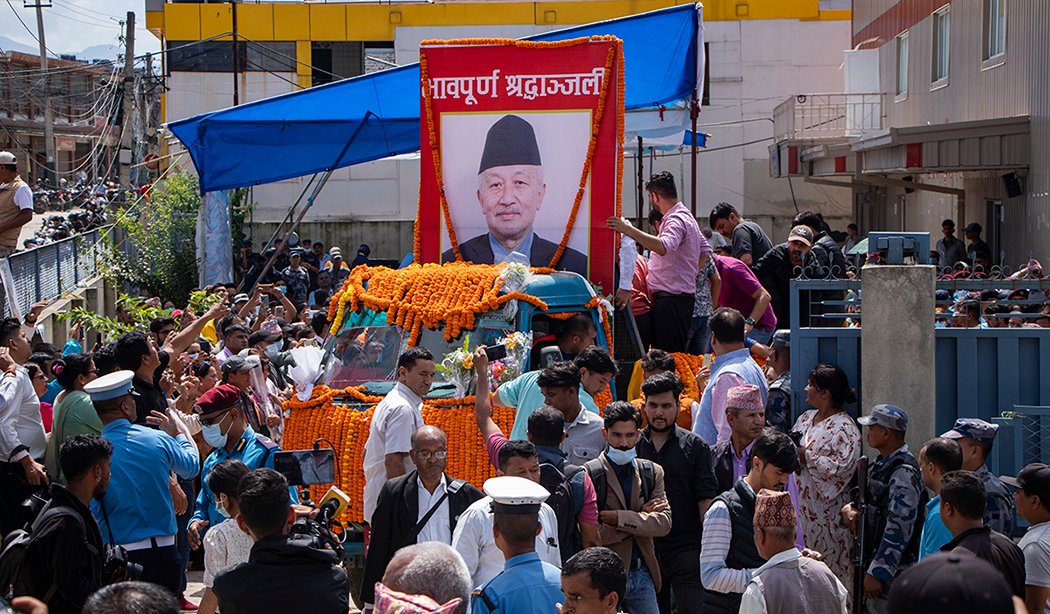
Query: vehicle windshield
{"type": "Point", "coordinates": [362, 355]}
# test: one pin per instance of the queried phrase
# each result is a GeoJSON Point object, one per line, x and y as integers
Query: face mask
{"type": "Point", "coordinates": [213, 434]}
{"type": "Point", "coordinates": [620, 457]}
{"type": "Point", "coordinates": [193, 356]}
{"type": "Point", "coordinates": [273, 349]}
{"type": "Point", "coordinates": [222, 509]}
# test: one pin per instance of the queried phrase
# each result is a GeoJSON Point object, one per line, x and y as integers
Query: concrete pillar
{"type": "Point", "coordinates": [897, 345]}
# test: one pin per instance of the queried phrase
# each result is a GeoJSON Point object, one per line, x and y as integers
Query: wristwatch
{"type": "Point", "coordinates": [749, 320]}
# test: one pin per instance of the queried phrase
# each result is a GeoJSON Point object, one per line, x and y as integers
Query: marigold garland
{"type": "Point", "coordinates": [431, 295]}
{"type": "Point", "coordinates": [614, 57]}
{"type": "Point", "coordinates": [346, 427]}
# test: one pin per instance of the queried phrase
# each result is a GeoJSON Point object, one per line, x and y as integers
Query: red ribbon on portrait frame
{"type": "Point", "coordinates": [479, 78]}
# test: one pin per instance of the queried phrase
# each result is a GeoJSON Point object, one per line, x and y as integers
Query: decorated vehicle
{"type": "Point", "coordinates": [451, 310]}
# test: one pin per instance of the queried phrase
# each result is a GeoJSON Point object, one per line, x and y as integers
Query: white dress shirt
{"type": "Point", "coordinates": [437, 528]}
{"type": "Point", "coordinates": [474, 541]}
{"type": "Point", "coordinates": [755, 603]}
{"type": "Point", "coordinates": [20, 421]}
{"type": "Point", "coordinates": [396, 417]}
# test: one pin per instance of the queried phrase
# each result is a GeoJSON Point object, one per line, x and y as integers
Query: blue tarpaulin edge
{"type": "Point", "coordinates": [305, 132]}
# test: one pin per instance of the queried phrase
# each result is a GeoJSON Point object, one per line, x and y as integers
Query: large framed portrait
{"type": "Point", "coordinates": [523, 143]}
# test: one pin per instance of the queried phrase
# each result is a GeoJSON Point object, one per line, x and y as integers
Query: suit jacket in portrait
{"type": "Point", "coordinates": [397, 511]}
{"type": "Point", "coordinates": [479, 251]}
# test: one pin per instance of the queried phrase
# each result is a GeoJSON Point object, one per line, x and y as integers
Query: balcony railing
{"type": "Point", "coordinates": [828, 116]}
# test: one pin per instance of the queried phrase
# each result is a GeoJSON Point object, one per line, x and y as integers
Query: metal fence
{"type": "Point", "coordinates": [808, 116]}
{"type": "Point", "coordinates": [995, 374]}
{"type": "Point", "coordinates": [49, 271]}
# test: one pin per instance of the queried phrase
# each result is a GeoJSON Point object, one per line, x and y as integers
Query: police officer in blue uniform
{"type": "Point", "coordinates": [137, 512]}
{"type": "Point", "coordinates": [975, 437]}
{"type": "Point", "coordinates": [527, 584]}
{"type": "Point", "coordinates": [225, 427]}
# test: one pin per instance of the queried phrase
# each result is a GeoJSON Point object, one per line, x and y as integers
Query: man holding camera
{"type": "Point", "coordinates": [284, 573]}
{"type": "Point", "coordinates": [224, 426]}
{"type": "Point", "coordinates": [63, 562]}
{"type": "Point", "coordinates": [136, 512]}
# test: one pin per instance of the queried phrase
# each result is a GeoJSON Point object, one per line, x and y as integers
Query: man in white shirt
{"type": "Point", "coordinates": [473, 537]}
{"type": "Point", "coordinates": [16, 204]}
{"type": "Point", "coordinates": [22, 439]}
{"type": "Point", "coordinates": [396, 417]}
{"type": "Point", "coordinates": [418, 507]}
{"type": "Point", "coordinates": [1032, 496]}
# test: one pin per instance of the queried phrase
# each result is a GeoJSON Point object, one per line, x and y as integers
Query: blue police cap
{"type": "Point", "coordinates": [973, 428]}
{"type": "Point", "coordinates": [889, 416]}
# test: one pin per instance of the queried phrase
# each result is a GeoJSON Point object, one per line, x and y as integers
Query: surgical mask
{"type": "Point", "coordinates": [193, 356]}
{"type": "Point", "coordinates": [222, 509]}
{"type": "Point", "coordinates": [621, 457]}
{"type": "Point", "coordinates": [274, 348]}
{"type": "Point", "coordinates": [213, 434]}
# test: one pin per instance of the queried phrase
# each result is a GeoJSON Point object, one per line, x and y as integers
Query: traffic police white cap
{"type": "Point", "coordinates": [110, 386]}
{"type": "Point", "coordinates": [514, 495]}
{"type": "Point", "coordinates": [6, 157]}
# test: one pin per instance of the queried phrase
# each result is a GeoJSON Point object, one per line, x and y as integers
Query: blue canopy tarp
{"type": "Point", "coordinates": [377, 115]}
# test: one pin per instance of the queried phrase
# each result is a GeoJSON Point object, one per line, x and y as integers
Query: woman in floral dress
{"type": "Point", "coordinates": [829, 450]}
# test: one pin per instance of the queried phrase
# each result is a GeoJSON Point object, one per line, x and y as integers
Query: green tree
{"type": "Point", "coordinates": [157, 254]}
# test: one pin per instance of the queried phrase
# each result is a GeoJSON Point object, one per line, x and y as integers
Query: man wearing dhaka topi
{"type": "Point", "coordinates": [510, 191]}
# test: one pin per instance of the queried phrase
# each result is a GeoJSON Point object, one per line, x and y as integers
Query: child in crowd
{"type": "Point", "coordinates": [225, 544]}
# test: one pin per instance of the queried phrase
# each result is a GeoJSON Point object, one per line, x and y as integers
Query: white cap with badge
{"type": "Point", "coordinates": [110, 386]}
{"type": "Point", "coordinates": [514, 495]}
{"type": "Point", "coordinates": [6, 157]}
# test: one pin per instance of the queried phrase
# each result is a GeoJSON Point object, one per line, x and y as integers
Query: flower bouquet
{"type": "Point", "coordinates": [458, 368]}
{"type": "Point", "coordinates": [518, 346]}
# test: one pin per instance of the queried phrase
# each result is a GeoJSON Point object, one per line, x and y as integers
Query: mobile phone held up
{"type": "Point", "coordinates": [495, 352]}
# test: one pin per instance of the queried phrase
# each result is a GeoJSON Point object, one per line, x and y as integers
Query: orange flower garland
{"type": "Point", "coordinates": [615, 56]}
{"type": "Point", "coordinates": [431, 295]}
{"type": "Point", "coordinates": [346, 427]}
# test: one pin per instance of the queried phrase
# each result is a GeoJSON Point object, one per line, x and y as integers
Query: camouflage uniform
{"type": "Point", "coordinates": [896, 503]}
{"type": "Point", "coordinates": [999, 514]}
{"type": "Point", "coordinates": [778, 404]}
{"type": "Point", "coordinates": [899, 502]}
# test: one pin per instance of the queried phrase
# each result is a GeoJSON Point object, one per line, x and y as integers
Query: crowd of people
{"type": "Point", "coordinates": [153, 453]}
{"type": "Point", "coordinates": [156, 451]}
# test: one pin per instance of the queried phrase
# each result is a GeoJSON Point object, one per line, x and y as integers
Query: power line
{"type": "Point", "coordinates": [15, 11]}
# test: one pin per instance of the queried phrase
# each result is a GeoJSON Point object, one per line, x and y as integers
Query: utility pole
{"type": "Point", "coordinates": [236, 57]}
{"type": "Point", "coordinates": [49, 113]}
{"type": "Point", "coordinates": [129, 100]}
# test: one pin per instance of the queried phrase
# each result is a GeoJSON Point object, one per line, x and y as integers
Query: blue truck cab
{"type": "Point", "coordinates": [365, 350]}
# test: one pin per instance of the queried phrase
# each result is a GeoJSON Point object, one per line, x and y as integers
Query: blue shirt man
{"type": "Point", "coordinates": [137, 511]}
{"type": "Point", "coordinates": [224, 426]}
{"type": "Point", "coordinates": [526, 584]}
{"type": "Point", "coordinates": [934, 533]}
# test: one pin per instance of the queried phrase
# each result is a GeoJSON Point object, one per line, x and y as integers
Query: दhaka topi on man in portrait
{"type": "Point", "coordinates": [510, 191]}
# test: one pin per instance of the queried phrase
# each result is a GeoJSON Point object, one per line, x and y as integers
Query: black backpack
{"type": "Point", "coordinates": [601, 487]}
{"type": "Point", "coordinates": [12, 582]}
{"type": "Point", "coordinates": [566, 499]}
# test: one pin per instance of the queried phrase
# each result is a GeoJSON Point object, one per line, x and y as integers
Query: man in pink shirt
{"type": "Point", "coordinates": [741, 291]}
{"type": "Point", "coordinates": [676, 255]}
{"type": "Point", "coordinates": [546, 432]}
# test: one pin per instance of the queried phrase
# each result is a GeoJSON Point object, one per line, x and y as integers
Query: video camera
{"type": "Point", "coordinates": [310, 467]}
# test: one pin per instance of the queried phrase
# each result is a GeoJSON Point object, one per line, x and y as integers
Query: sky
{"type": "Point", "coordinates": [71, 26]}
